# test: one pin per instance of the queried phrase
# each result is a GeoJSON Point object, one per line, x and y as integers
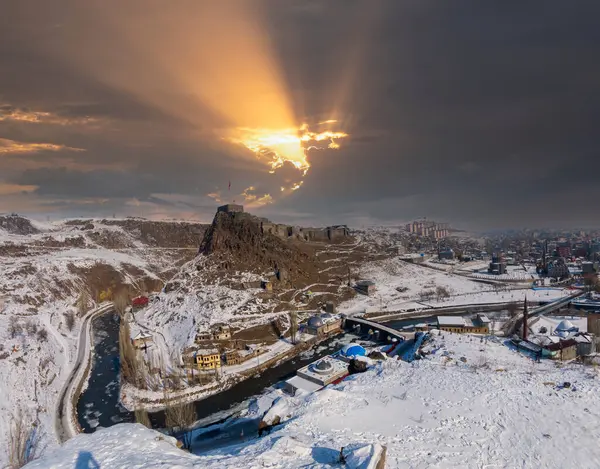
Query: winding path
{"type": "Point", "coordinates": [64, 417]}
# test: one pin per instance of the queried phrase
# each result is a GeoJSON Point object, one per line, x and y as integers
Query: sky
{"type": "Point", "coordinates": [481, 114]}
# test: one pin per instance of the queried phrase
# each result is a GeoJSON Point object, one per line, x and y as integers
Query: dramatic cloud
{"type": "Point", "coordinates": [11, 114]}
{"type": "Point", "coordinates": [13, 147]}
{"type": "Point", "coordinates": [483, 114]}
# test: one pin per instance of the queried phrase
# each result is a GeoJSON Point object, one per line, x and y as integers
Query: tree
{"type": "Point", "coordinates": [121, 300]}
{"type": "Point", "coordinates": [31, 327]}
{"type": "Point", "coordinates": [105, 295]}
{"type": "Point", "coordinates": [293, 326]}
{"type": "Point", "coordinates": [591, 282]}
{"type": "Point", "coordinates": [42, 335]}
{"type": "Point", "coordinates": [82, 302]}
{"type": "Point", "coordinates": [70, 320]}
{"type": "Point", "coordinates": [14, 327]}
{"type": "Point", "coordinates": [141, 416]}
{"type": "Point", "coordinates": [23, 441]}
{"type": "Point", "coordinates": [512, 308]}
{"type": "Point", "coordinates": [179, 418]}
{"type": "Point", "coordinates": [442, 293]}
{"type": "Point", "coordinates": [131, 371]}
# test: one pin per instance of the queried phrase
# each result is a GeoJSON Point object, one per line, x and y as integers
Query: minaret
{"type": "Point", "coordinates": [525, 314]}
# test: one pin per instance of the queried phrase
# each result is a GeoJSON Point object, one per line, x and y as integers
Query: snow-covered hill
{"type": "Point", "coordinates": [49, 274]}
{"type": "Point", "coordinates": [469, 404]}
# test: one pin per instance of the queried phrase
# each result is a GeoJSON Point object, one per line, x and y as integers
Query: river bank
{"type": "Point", "coordinates": [100, 403]}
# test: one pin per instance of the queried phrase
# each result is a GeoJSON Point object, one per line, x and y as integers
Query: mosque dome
{"type": "Point", "coordinates": [354, 350]}
{"type": "Point", "coordinates": [323, 367]}
{"type": "Point", "coordinates": [315, 321]}
{"type": "Point", "coordinates": [565, 325]}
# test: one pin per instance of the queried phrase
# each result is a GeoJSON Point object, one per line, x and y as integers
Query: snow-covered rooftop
{"type": "Point", "coordinates": [324, 371]}
{"type": "Point", "coordinates": [451, 321]}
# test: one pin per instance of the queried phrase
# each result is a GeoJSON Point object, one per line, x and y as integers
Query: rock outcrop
{"type": "Point", "coordinates": [14, 224]}
{"type": "Point", "coordinates": [237, 241]}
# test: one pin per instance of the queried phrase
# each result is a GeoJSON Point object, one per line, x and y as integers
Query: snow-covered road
{"type": "Point", "coordinates": [65, 427]}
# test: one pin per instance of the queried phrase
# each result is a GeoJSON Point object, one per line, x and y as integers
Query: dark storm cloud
{"type": "Point", "coordinates": [482, 113]}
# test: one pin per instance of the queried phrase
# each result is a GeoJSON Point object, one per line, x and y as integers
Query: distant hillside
{"type": "Point", "coordinates": [15, 224]}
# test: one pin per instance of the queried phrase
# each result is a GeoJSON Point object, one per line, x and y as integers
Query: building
{"type": "Point", "coordinates": [140, 302]}
{"type": "Point", "coordinates": [337, 232]}
{"type": "Point", "coordinates": [565, 328]}
{"type": "Point", "coordinates": [498, 265]}
{"type": "Point", "coordinates": [563, 251]}
{"type": "Point", "coordinates": [586, 344]}
{"type": "Point", "coordinates": [563, 350]}
{"type": "Point", "coordinates": [366, 287]}
{"type": "Point", "coordinates": [222, 333]}
{"type": "Point", "coordinates": [413, 258]}
{"type": "Point", "coordinates": [593, 323]}
{"type": "Point", "coordinates": [323, 324]}
{"type": "Point", "coordinates": [203, 336]}
{"type": "Point", "coordinates": [350, 351]}
{"type": "Point", "coordinates": [317, 375]}
{"type": "Point", "coordinates": [231, 208]}
{"type": "Point", "coordinates": [587, 268]}
{"type": "Point", "coordinates": [208, 359]}
{"type": "Point", "coordinates": [141, 340]}
{"type": "Point", "coordinates": [232, 357]}
{"type": "Point", "coordinates": [482, 320]}
{"type": "Point", "coordinates": [461, 325]}
{"type": "Point", "coordinates": [558, 269]}
{"type": "Point", "coordinates": [447, 254]}
{"type": "Point", "coordinates": [429, 228]}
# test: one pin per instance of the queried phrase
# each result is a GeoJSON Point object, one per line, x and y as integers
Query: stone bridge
{"type": "Point", "coordinates": [380, 332]}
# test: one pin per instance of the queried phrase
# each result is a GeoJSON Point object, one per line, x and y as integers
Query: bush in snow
{"type": "Point", "coordinates": [31, 328]}
{"type": "Point", "coordinates": [42, 335]}
{"type": "Point", "coordinates": [70, 320]}
{"type": "Point", "coordinates": [14, 327]}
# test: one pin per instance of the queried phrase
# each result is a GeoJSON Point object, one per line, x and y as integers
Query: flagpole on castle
{"type": "Point", "coordinates": [229, 189]}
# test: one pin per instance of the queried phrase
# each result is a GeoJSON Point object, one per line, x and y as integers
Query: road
{"type": "Point", "coordinates": [550, 307]}
{"type": "Point", "coordinates": [64, 411]}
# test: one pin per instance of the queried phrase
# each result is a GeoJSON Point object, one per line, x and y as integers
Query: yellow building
{"type": "Point", "coordinates": [461, 325]}
{"type": "Point", "coordinates": [208, 359]}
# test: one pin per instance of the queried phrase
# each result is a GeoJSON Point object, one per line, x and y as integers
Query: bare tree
{"type": "Point", "coordinates": [70, 320]}
{"type": "Point", "coordinates": [513, 309]}
{"type": "Point", "coordinates": [179, 418]}
{"type": "Point", "coordinates": [31, 327]}
{"type": "Point", "coordinates": [142, 287]}
{"type": "Point", "coordinates": [23, 441]}
{"type": "Point", "coordinates": [293, 326]}
{"type": "Point", "coordinates": [82, 302]}
{"type": "Point", "coordinates": [42, 335]}
{"type": "Point", "coordinates": [14, 327]}
{"type": "Point", "coordinates": [141, 416]}
{"type": "Point", "coordinates": [131, 369]}
{"type": "Point", "coordinates": [442, 293]}
{"type": "Point", "coordinates": [121, 300]}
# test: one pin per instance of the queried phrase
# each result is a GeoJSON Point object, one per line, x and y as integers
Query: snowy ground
{"type": "Point", "coordinates": [470, 404]}
{"type": "Point", "coordinates": [40, 282]}
{"type": "Point", "coordinates": [393, 275]}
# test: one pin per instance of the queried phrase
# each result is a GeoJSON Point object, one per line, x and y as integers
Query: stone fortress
{"type": "Point", "coordinates": [328, 233]}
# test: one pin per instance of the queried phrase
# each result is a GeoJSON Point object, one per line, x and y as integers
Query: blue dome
{"type": "Point", "coordinates": [315, 322]}
{"type": "Point", "coordinates": [354, 350]}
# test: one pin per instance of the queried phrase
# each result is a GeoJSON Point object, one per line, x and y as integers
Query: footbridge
{"type": "Point", "coordinates": [381, 332]}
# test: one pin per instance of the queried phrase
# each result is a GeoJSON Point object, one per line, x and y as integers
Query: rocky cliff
{"type": "Point", "coordinates": [237, 241]}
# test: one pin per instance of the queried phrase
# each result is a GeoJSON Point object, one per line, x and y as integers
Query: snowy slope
{"type": "Point", "coordinates": [470, 404]}
{"type": "Point", "coordinates": [43, 273]}
{"type": "Point", "coordinates": [401, 285]}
